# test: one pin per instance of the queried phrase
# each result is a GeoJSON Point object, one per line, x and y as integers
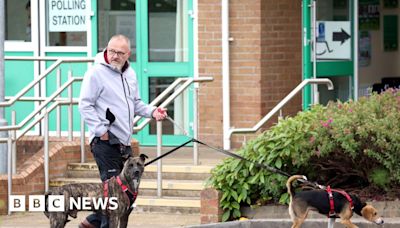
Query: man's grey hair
{"type": "Point", "coordinates": [120, 36]}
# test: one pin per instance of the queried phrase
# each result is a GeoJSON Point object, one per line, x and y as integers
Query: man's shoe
{"type": "Point", "coordinates": [86, 224]}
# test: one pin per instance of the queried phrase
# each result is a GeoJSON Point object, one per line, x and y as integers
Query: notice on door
{"type": "Point", "coordinates": [67, 15]}
{"type": "Point", "coordinates": [333, 40]}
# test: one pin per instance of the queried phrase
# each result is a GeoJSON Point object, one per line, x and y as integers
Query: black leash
{"type": "Point", "coordinates": [169, 152]}
{"type": "Point", "coordinates": [258, 165]}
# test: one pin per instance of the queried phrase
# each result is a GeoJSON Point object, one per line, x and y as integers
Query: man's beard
{"type": "Point", "coordinates": [117, 65]}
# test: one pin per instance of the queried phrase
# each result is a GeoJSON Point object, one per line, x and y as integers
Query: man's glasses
{"type": "Point", "coordinates": [114, 52]}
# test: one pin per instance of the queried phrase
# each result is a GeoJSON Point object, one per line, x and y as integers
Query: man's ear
{"type": "Point", "coordinates": [143, 157]}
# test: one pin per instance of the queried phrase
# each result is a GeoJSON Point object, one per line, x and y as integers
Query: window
{"type": "Point", "coordinates": [168, 31]}
{"type": "Point", "coordinates": [18, 28]}
{"type": "Point", "coordinates": [66, 22]}
{"type": "Point", "coordinates": [117, 17]}
{"type": "Point", "coordinates": [175, 109]}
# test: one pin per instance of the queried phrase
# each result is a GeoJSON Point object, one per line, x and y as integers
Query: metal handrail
{"type": "Point", "coordinates": [176, 93]}
{"type": "Point", "coordinates": [61, 99]}
{"type": "Point", "coordinates": [169, 89]}
{"type": "Point", "coordinates": [41, 106]}
{"type": "Point", "coordinates": [279, 106]}
{"type": "Point", "coordinates": [43, 115]}
{"type": "Point", "coordinates": [58, 61]}
{"type": "Point", "coordinates": [69, 101]}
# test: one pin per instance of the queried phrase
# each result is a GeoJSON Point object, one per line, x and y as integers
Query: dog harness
{"type": "Point", "coordinates": [128, 193]}
{"type": "Point", "coordinates": [332, 212]}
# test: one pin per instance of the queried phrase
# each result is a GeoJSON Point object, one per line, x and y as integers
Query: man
{"type": "Point", "coordinates": [109, 99]}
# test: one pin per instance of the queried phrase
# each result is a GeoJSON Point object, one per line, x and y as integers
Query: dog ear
{"type": "Point", "coordinates": [110, 116]}
{"type": "Point", "coordinates": [143, 157]}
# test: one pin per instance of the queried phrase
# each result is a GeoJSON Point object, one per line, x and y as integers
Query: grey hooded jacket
{"type": "Point", "coordinates": [105, 87]}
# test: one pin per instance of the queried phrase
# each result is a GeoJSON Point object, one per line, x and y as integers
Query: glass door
{"type": "Point", "coordinates": [328, 48]}
{"type": "Point", "coordinates": [166, 54]}
{"type": "Point", "coordinates": [161, 42]}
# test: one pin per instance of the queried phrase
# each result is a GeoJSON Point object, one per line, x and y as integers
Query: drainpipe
{"type": "Point", "coordinates": [225, 74]}
{"type": "Point", "coordinates": [194, 16]}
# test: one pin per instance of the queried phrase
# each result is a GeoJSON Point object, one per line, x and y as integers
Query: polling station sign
{"type": "Point", "coordinates": [67, 15]}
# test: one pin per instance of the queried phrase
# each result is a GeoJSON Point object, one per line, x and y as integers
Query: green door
{"type": "Point", "coordinates": [162, 51]}
{"type": "Point", "coordinates": [331, 46]}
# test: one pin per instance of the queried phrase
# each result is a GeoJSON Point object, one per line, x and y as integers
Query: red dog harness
{"type": "Point", "coordinates": [332, 212]}
{"type": "Point", "coordinates": [128, 193]}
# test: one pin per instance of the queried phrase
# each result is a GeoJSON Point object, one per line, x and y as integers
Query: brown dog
{"type": "Point", "coordinates": [130, 177]}
{"type": "Point", "coordinates": [318, 200]}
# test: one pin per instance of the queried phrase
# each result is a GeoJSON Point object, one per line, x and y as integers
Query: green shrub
{"type": "Point", "coordinates": [346, 145]}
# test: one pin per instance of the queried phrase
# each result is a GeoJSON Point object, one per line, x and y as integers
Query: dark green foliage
{"type": "Point", "coordinates": [351, 145]}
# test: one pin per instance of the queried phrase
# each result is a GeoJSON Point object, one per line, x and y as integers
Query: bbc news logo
{"type": "Point", "coordinates": [56, 203]}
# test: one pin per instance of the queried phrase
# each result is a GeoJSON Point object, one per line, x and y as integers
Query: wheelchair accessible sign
{"type": "Point", "coordinates": [333, 40]}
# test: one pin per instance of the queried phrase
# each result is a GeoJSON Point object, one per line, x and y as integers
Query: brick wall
{"type": "Point", "coordinates": [210, 210]}
{"type": "Point", "coordinates": [245, 60]}
{"type": "Point", "coordinates": [210, 64]}
{"type": "Point", "coordinates": [265, 63]}
{"type": "Point", "coordinates": [281, 53]}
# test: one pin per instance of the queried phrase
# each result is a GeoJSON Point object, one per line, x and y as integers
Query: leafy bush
{"type": "Point", "coordinates": [351, 145]}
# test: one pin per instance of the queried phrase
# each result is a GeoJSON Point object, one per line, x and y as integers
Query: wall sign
{"type": "Point", "coordinates": [67, 15]}
{"type": "Point", "coordinates": [333, 40]}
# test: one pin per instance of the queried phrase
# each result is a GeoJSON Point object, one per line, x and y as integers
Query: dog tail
{"type": "Point", "coordinates": [289, 182]}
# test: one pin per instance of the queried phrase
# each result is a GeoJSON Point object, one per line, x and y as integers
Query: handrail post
{"type": "Point", "coordinates": [14, 142]}
{"type": "Point", "coordinates": [46, 149]}
{"type": "Point", "coordinates": [195, 124]}
{"type": "Point", "coordinates": [70, 113]}
{"type": "Point", "coordinates": [159, 162]}
{"type": "Point", "coordinates": [83, 155]}
{"type": "Point", "coordinates": [9, 169]}
{"type": "Point", "coordinates": [331, 221]}
{"type": "Point", "coordinates": [58, 109]}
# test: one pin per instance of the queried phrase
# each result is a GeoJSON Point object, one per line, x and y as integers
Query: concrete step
{"type": "Point", "coordinates": [178, 196]}
{"type": "Point", "coordinates": [148, 187]}
{"type": "Point", "coordinates": [181, 205]}
{"type": "Point", "coordinates": [179, 172]}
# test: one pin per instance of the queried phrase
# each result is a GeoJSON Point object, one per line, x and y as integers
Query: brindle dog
{"type": "Point", "coordinates": [130, 176]}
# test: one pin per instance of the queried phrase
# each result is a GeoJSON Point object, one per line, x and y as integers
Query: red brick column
{"type": "Point", "coordinates": [210, 210]}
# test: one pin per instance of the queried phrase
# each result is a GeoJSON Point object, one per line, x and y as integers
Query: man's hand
{"type": "Point", "coordinates": [160, 114]}
{"type": "Point", "coordinates": [104, 137]}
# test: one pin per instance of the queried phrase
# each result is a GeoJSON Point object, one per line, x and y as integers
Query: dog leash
{"type": "Point", "coordinates": [167, 153]}
{"type": "Point", "coordinates": [234, 155]}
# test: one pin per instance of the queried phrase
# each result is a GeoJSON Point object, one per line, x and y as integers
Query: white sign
{"type": "Point", "coordinates": [333, 40]}
{"type": "Point", "coordinates": [67, 15]}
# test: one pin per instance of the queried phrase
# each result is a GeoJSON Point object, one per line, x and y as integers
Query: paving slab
{"type": "Point", "coordinates": [143, 220]}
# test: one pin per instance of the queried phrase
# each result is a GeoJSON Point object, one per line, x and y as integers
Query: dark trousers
{"type": "Point", "coordinates": [110, 161]}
